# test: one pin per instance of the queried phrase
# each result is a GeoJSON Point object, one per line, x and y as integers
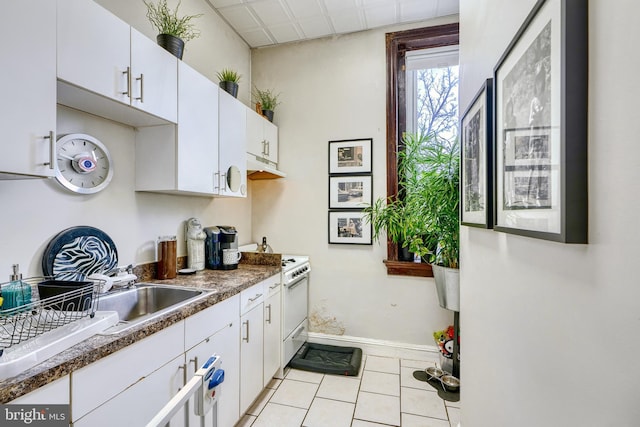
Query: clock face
{"type": "Point", "coordinates": [83, 164]}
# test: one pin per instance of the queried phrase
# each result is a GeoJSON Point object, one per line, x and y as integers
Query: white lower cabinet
{"type": "Point", "coordinates": [260, 308]}
{"type": "Point", "coordinates": [216, 331]}
{"type": "Point", "coordinates": [146, 373]}
{"type": "Point", "coordinates": [251, 357]}
{"type": "Point", "coordinates": [54, 393]}
{"type": "Point", "coordinates": [272, 329]}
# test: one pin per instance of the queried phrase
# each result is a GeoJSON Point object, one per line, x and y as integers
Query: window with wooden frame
{"type": "Point", "coordinates": [398, 46]}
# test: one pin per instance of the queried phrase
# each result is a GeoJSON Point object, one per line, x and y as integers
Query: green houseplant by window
{"type": "Point", "coordinates": [229, 80]}
{"type": "Point", "coordinates": [268, 101]}
{"type": "Point", "coordinates": [425, 217]}
{"type": "Point", "coordinates": [173, 31]}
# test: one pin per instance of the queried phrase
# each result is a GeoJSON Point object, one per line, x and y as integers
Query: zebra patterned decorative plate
{"type": "Point", "coordinates": [77, 252]}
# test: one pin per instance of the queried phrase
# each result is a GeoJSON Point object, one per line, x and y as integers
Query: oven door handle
{"type": "Point", "coordinates": [296, 283]}
{"type": "Point", "coordinates": [297, 333]}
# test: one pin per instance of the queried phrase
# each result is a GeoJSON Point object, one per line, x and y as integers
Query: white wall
{"type": "Point", "coordinates": [333, 89]}
{"type": "Point", "coordinates": [550, 331]}
{"type": "Point", "coordinates": [36, 210]}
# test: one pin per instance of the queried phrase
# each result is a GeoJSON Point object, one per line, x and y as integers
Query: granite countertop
{"type": "Point", "coordinates": [224, 284]}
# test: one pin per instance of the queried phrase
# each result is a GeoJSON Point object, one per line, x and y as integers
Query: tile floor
{"type": "Point", "coordinates": [383, 394]}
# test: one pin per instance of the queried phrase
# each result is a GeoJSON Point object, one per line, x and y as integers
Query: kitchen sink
{"type": "Point", "coordinates": [146, 301]}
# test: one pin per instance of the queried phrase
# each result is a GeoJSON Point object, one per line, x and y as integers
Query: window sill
{"type": "Point", "coordinates": [405, 268]}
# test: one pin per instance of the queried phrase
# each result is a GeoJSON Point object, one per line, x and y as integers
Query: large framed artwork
{"type": "Point", "coordinates": [540, 132]}
{"type": "Point", "coordinates": [350, 156]}
{"type": "Point", "coordinates": [349, 227]}
{"type": "Point", "coordinates": [476, 171]}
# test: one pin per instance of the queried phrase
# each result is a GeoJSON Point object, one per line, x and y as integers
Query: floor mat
{"type": "Point", "coordinates": [328, 359]}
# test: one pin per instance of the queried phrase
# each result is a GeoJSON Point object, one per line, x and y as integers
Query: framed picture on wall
{"type": "Point", "coordinates": [350, 156]}
{"type": "Point", "coordinates": [349, 227]}
{"type": "Point", "coordinates": [540, 93]}
{"type": "Point", "coordinates": [350, 191]}
{"type": "Point", "coordinates": [476, 162]}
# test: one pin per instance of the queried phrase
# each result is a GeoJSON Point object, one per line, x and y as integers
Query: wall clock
{"type": "Point", "coordinates": [83, 164]}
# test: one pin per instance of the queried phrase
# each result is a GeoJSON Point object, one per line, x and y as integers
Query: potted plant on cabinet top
{"type": "Point", "coordinates": [229, 81]}
{"type": "Point", "coordinates": [268, 102]}
{"type": "Point", "coordinates": [173, 31]}
{"type": "Point", "coordinates": [425, 217]}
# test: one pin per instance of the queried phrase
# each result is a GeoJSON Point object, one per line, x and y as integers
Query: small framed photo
{"type": "Point", "coordinates": [349, 227]}
{"type": "Point", "coordinates": [350, 192]}
{"type": "Point", "coordinates": [350, 156]}
{"type": "Point", "coordinates": [477, 160]}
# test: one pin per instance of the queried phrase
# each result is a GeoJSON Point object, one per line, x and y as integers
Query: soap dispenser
{"type": "Point", "coordinates": [17, 293]}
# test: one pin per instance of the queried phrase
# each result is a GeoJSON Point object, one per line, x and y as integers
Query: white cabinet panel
{"type": "Point", "coordinates": [233, 142]}
{"type": "Point", "coordinates": [28, 102]}
{"type": "Point", "coordinates": [272, 335]}
{"type": "Point", "coordinates": [201, 325]}
{"type": "Point", "coordinates": [99, 54]}
{"type": "Point", "coordinates": [262, 137]}
{"type": "Point", "coordinates": [251, 356]}
{"type": "Point", "coordinates": [54, 393]}
{"type": "Point", "coordinates": [225, 343]}
{"type": "Point", "coordinates": [139, 403]}
{"type": "Point", "coordinates": [182, 159]}
{"type": "Point", "coordinates": [154, 73]}
{"type": "Point", "coordinates": [98, 382]}
{"type": "Point", "coordinates": [93, 48]}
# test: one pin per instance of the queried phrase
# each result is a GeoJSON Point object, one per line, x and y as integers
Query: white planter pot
{"type": "Point", "coordinates": [448, 286]}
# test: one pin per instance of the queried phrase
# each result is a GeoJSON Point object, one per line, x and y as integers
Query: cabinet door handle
{"type": "Point", "coordinates": [246, 322]}
{"type": "Point", "coordinates": [274, 286]}
{"type": "Point", "coordinates": [255, 298]}
{"type": "Point", "coordinates": [195, 363]}
{"type": "Point", "coordinates": [223, 178]}
{"type": "Point", "coordinates": [268, 148]}
{"type": "Point", "coordinates": [141, 80]}
{"type": "Point", "coordinates": [128, 74]}
{"type": "Point", "coordinates": [52, 149]}
{"type": "Point", "coordinates": [184, 373]}
{"type": "Point", "coordinates": [269, 312]}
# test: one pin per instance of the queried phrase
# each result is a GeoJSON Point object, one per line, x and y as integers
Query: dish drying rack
{"type": "Point", "coordinates": [43, 315]}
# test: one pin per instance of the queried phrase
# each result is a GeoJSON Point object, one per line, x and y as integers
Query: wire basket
{"type": "Point", "coordinates": [57, 308]}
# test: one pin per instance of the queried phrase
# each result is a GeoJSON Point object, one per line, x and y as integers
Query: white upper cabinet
{"type": "Point", "coordinates": [153, 77]}
{"type": "Point", "coordinates": [182, 159]}
{"type": "Point", "coordinates": [103, 55]}
{"type": "Point", "coordinates": [28, 102]}
{"type": "Point", "coordinates": [232, 180]}
{"type": "Point", "coordinates": [262, 137]}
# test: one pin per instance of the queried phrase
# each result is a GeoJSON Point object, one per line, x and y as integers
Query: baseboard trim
{"type": "Point", "coordinates": [377, 347]}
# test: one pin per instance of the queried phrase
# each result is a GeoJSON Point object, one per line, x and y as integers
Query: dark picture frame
{"type": "Point", "coordinates": [348, 227]}
{"type": "Point", "coordinates": [540, 131]}
{"type": "Point", "coordinates": [349, 156]}
{"type": "Point", "coordinates": [350, 191]}
{"type": "Point", "coordinates": [476, 160]}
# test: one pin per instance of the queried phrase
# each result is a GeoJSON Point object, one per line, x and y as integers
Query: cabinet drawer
{"type": "Point", "coordinates": [251, 297]}
{"type": "Point", "coordinates": [207, 322]}
{"type": "Point", "coordinates": [98, 382]}
{"type": "Point", "coordinates": [272, 285]}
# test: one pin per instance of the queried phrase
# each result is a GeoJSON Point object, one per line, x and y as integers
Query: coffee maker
{"type": "Point", "coordinates": [219, 237]}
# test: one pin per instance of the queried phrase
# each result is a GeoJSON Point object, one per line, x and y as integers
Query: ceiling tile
{"type": "Point", "coordinates": [257, 38]}
{"type": "Point", "coordinates": [417, 10]}
{"type": "Point", "coordinates": [240, 18]}
{"type": "Point", "coordinates": [270, 12]}
{"type": "Point", "coordinates": [381, 15]}
{"type": "Point", "coordinates": [223, 3]}
{"type": "Point", "coordinates": [315, 27]}
{"type": "Point", "coordinates": [448, 7]}
{"type": "Point", "coordinates": [347, 21]}
{"type": "Point", "coordinates": [303, 8]}
{"type": "Point", "coordinates": [284, 33]}
{"type": "Point", "coordinates": [336, 5]}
